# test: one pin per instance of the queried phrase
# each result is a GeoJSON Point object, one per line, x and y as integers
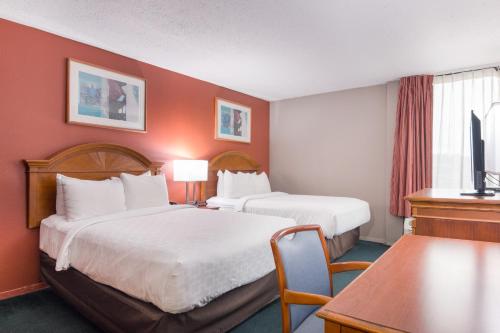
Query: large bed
{"type": "Point", "coordinates": [159, 269]}
{"type": "Point", "coordinates": [339, 217]}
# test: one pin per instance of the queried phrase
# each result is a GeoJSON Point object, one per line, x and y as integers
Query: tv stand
{"type": "Point", "coordinates": [480, 193]}
{"type": "Point", "coordinates": [446, 213]}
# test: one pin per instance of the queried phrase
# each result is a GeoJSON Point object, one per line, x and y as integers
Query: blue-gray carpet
{"type": "Point", "coordinates": [45, 312]}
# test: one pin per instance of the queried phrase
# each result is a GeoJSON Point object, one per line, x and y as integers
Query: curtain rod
{"type": "Point", "coordinates": [497, 68]}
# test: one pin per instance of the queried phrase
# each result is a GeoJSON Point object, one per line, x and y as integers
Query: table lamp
{"type": "Point", "coordinates": [190, 171]}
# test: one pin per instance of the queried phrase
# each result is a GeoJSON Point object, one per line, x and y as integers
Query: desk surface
{"type": "Point", "coordinates": [445, 195]}
{"type": "Point", "coordinates": [425, 284]}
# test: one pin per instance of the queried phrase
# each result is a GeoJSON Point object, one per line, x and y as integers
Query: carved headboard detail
{"type": "Point", "coordinates": [233, 161]}
{"type": "Point", "coordinates": [93, 161]}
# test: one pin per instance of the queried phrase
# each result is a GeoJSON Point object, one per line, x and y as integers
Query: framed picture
{"type": "Point", "coordinates": [232, 121]}
{"type": "Point", "coordinates": [105, 98]}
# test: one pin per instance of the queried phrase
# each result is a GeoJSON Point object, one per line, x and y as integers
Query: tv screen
{"type": "Point", "coordinates": [477, 153]}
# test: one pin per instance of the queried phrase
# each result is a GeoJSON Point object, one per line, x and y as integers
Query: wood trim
{"type": "Point", "coordinates": [92, 161]}
{"type": "Point", "coordinates": [357, 324]}
{"type": "Point", "coordinates": [69, 60]}
{"type": "Point", "coordinates": [23, 290]}
{"type": "Point", "coordinates": [456, 206]}
{"type": "Point", "coordinates": [444, 217]}
{"type": "Point", "coordinates": [349, 266]}
{"type": "Point", "coordinates": [297, 297]}
{"type": "Point", "coordinates": [233, 161]}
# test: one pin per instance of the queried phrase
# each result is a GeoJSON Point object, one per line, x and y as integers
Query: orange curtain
{"type": "Point", "coordinates": [412, 155]}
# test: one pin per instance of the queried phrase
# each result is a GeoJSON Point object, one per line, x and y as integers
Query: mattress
{"type": "Point", "coordinates": [335, 215]}
{"type": "Point", "coordinates": [177, 258]}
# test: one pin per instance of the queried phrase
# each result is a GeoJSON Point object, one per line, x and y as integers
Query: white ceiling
{"type": "Point", "coordinates": [279, 49]}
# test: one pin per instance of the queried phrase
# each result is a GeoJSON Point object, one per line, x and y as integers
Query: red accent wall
{"type": "Point", "coordinates": [180, 124]}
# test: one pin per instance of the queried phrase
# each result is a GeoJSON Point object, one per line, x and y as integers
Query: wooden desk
{"type": "Point", "coordinates": [423, 284]}
{"type": "Point", "coordinates": [445, 213]}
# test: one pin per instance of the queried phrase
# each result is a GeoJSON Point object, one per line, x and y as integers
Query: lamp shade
{"type": "Point", "coordinates": [190, 170]}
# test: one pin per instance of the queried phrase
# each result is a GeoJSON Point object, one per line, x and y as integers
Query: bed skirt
{"type": "Point", "coordinates": [113, 311]}
{"type": "Point", "coordinates": [339, 245]}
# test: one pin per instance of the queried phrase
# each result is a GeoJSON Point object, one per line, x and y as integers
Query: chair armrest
{"type": "Point", "coordinates": [297, 297]}
{"type": "Point", "coordinates": [348, 266]}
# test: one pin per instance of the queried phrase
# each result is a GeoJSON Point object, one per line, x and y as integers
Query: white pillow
{"type": "Point", "coordinates": [59, 196]}
{"type": "Point", "coordinates": [147, 173]}
{"type": "Point", "coordinates": [144, 191]}
{"type": "Point", "coordinates": [220, 183]}
{"type": "Point", "coordinates": [88, 198]}
{"type": "Point", "coordinates": [242, 184]}
{"type": "Point", "coordinates": [237, 185]}
{"type": "Point", "coordinates": [261, 183]}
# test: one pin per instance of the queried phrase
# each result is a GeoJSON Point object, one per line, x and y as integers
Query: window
{"type": "Point", "coordinates": [455, 95]}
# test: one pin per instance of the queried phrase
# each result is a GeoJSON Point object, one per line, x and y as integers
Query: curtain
{"type": "Point", "coordinates": [412, 155]}
{"type": "Point", "coordinates": [454, 97]}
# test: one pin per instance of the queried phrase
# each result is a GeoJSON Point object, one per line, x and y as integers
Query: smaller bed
{"type": "Point", "coordinates": [339, 217]}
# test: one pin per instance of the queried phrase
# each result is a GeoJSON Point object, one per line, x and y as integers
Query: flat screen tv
{"type": "Point", "coordinates": [477, 159]}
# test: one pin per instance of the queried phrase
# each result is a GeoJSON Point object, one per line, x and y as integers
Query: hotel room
{"type": "Point", "coordinates": [250, 166]}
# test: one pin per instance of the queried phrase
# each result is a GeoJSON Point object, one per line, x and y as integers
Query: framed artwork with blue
{"type": "Point", "coordinates": [232, 121]}
{"type": "Point", "coordinates": [102, 97]}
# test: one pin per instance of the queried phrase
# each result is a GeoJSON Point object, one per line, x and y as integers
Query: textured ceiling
{"type": "Point", "coordinates": [279, 49]}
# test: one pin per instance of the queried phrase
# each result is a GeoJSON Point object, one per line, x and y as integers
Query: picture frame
{"type": "Point", "coordinates": [233, 121]}
{"type": "Point", "coordinates": [102, 97]}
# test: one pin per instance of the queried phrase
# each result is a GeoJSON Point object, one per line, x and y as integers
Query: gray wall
{"type": "Point", "coordinates": [339, 144]}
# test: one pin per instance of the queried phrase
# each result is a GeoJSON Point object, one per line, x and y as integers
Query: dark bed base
{"type": "Point", "coordinates": [339, 245]}
{"type": "Point", "coordinates": [114, 311]}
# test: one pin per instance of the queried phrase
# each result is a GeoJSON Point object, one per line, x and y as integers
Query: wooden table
{"type": "Point", "coordinates": [446, 213]}
{"type": "Point", "coordinates": [423, 284]}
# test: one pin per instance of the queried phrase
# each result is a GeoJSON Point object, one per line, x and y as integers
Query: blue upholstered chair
{"type": "Point", "coordinates": [305, 276]}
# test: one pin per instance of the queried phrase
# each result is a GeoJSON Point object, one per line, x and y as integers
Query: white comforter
{"type": "Point", "coordinates": [335, 215]}
{"type": "Point", "coordinates": [175, 257]}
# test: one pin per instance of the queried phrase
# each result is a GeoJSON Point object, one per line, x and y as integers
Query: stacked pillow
{"type": "Point", "coordinates": [236, 185]}
{"type": "Point", "coordinates": [77, 199]}
{"type": "Point", "coordinates": [144, 191]}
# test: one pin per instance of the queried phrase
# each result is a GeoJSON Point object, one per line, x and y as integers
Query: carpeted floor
{"type": "Point", "coordinates": [45, 312]}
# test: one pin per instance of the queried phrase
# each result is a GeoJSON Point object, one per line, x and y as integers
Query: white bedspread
{"type": "Point", "coordinates": [335, 215]}
{"type": "Point", "coordinates": [175, 257]}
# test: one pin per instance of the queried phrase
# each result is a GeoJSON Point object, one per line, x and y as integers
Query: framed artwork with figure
{"type": "Point", "coordinates": [232, 121]}
{"type": "Point", "coordinates": [102, 97]}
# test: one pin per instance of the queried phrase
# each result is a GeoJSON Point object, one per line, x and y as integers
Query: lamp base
{"type": "Point", "coordinates": [193, 202]}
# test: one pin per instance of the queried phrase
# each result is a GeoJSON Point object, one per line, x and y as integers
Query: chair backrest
{"type": "Point", "coordinates": [301, 258]}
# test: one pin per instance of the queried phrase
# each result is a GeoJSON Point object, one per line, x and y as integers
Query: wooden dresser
{"type": "Point", "coordinates": [445, 213]}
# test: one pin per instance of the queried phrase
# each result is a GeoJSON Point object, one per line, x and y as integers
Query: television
{"type": "Point", "coordinates": [477, 159]}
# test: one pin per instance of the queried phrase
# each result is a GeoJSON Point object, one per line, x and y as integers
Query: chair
{"type": "Point", "coordinates": [305, 276]}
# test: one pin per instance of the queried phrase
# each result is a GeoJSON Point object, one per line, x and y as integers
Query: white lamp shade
{"type": "Point", "coordinates": [190, 170]}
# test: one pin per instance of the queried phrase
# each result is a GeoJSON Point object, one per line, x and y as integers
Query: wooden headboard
{"type": "Point", "coordinates": [233, 161]}
{"type": "Point", "coordinates": [93, 161]}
